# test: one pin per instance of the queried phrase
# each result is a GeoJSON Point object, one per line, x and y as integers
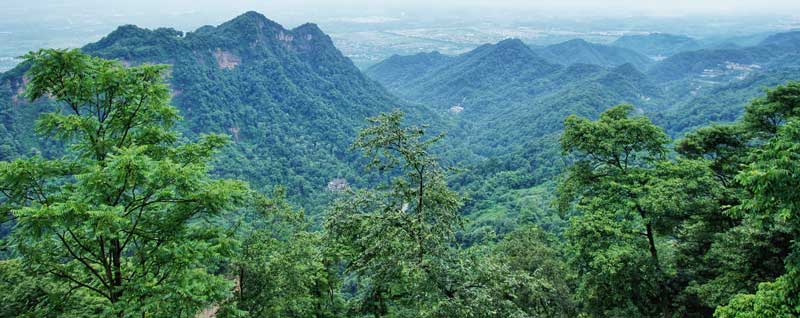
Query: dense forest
{"type": "Point", "coordinates": [247, 170]}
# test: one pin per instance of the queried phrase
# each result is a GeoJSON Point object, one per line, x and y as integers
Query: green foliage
{"type": "Point", "coordinates": [27, 295]}
{"type": "Point", "coordinates": [531, 251]}
{"type": "Point", "coordinates": [394, 238]}
{"type": "Point", "coordinates": [628, 197]}
{"type": "Point", "coordinates": [285, 270]}
{"type": "Point", "coordinates": [397, 243]}
{"type": "Point", "coordinates": [291, 107]}
{"type": "Point", "coordinates": [766, 115]}
{"type": "Point", "coordinates": [127, 216]}
{"type": "Point", "coordinates": [777, 299]}
{"type": "Point", "coordinates": [114, 212]}
{"type": "Point", "coordinates": [772, 179]}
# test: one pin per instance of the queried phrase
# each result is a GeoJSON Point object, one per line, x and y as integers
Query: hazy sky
{"type": "Point", "coordinates": [320, 8]}
{"type": "Point", "coordinates": [30, 24]}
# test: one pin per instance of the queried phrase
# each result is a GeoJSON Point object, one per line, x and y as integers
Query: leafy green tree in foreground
{"type": "Point", "coordinates": [127, 216]}
{"type": "Point", "coordinates": [627, 196]}
{"type": "Point", "coordinates": [395, 237]}
{"type": "Point", "coordinates": [284, 269]}
{"type": "Point", "coordinates": [773, 179]}
{"type": "Point", "coordinates": [398, 244]}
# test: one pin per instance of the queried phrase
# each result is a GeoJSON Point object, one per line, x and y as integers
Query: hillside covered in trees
{"type": "Point", "coordinates": [248, 170]}
{"type": "Point", "coordinates": [290, 100]}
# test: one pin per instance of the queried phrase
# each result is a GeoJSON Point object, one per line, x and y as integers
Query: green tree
{"type": "Point", "coordinates": [394, 238]}
{"type": "Point", "coordinates": [27, 295]}
{"type": "Point", "coordinates": [284, 269]}
{"type": "Point", "coordinates": [772, 178]}
{"type": "Point", "coordinates": [534, 253]}
{"type": "Point", "coordinates": [129, 214]}
{"type": "Point", "coordinates": [627, 195]}
{"type": "Point", "coordinates": [734, 247]}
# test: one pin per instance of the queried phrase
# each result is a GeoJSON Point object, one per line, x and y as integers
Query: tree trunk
{"type": "Point", "coordinates": [116, 285]}
{"type": "Point", "coordinates": [665, 299]}
{"type": "Point", "coordinates": [651, 241]}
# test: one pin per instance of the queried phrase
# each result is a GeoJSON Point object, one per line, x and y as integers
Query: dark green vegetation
{"type": "Point", "coordinates": [291, 102]}
{"type": "Point", "coordinates": [512, 102]}
{"type": "Point", "coordinates": [126, 218]}
{"type": "Point", "coordinates": [710, 228]}
{"type": "Point", "coordinates": [116, 203]}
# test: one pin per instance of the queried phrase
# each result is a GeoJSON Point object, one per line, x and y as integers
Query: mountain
{"type": "Point", "coordinates": [657, 44]}
{"type": "Point", "coordinates": [721, 103]}
{"type": "Point", "coordinates": [483, 70]}
{"type": "Point", "coordinates": [776, 52]}
{"type": "Point", "coordinates": [785, 40]}
{"type": "Point", "coordinates": [503, 95]}
{"type": "Point", "coordinates": [508, 103]}
{"type": "Point", "coordinates": [401, 69]}
{"type": "Point", "coordinates": [580, 51]}
{"type": "Point", "coordinates": [290, 100]}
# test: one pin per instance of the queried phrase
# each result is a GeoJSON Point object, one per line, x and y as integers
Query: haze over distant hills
{"type": "Point", "coordinates": [511, 100]}
{"type": "Point", "coordinates": [660, 85]}
{"type": "Point", "coordinates": [658, 44]}
{"type": "Point", "coordinates": [581, 51]}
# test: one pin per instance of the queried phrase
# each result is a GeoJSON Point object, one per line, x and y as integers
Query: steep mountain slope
{"type": "Point", "coordinates": [580, 51]}
{"type": "Point", "coordinates": [290, 100]}
{"type": "Point", "coordinates": [508, 105]}
{"type": "Point", "coordinates": [657, 44]}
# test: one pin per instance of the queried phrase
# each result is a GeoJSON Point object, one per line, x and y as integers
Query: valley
{"type": "Point", "coordinates": [390, 165]}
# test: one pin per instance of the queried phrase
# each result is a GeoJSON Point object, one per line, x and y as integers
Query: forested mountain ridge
{"type": "Point", "coordinates": [499, 86]}
{"type": "Point", "coordinates": [774, 52]}
{"type": "Point", "coordinates": [290, 100]}
{"type": "Point", "coordinates": [480, 70]}
{"type": "Point", "coordinates": [511, 119]}
{"type": "Point", "coordinates": [508, 104]}
{"type": "Point", "coordinates": [657, 44]}
{"type": "Point", "coordinates": [399, 69]}
{"type": "Point", "coordinates": [681, 82]}
{"type": "Point", "coordinates": [131, 223]}
{"type": "Point", "coordinates": [569, 206]}
{"type": "Point", "coordinates": [581, 51]}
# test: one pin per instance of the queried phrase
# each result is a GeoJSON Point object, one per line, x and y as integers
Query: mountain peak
{"type": "Point", "coordinates": [252, 16]}
{"type": "Point", "coordinates": [576, 42]}
{"type": "Point", "coordinates": [125, 31]}
{"type": "Point", "coordinates": [308, 28]}
{"type": "Point", "coordinates": [124, 35]}
{"type": "Point", "coordinates": [504, 49]}
{"type": "Point", "coordinates": [250, 21]}
{"type": "Point", "coordinates": [512, 46]}
{"type": "Point", "coordinates": [511, 43]}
